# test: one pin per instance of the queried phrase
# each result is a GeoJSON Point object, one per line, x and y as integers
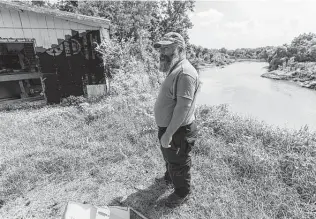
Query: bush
{"type": "Point", "coordinates": [132, 65]}
{"type": "Point", "coordinates": [73, 101]}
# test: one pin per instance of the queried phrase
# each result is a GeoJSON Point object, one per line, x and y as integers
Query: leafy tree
{"type": "Point", "coordinates": [231, 53]}
{"type": "Point", "coordinates": [305, 39]}
{"type": "Point", "coordinates": [70, 6]}
{"type": "Point", "coordinates": [312, 53]}
{"type": "Point", "coordinates": [223, 50]}
{"type": "Point", "coordinates": [174, 17]}
{"type": "Point", "coordinates": [198, 51]}
{"type": "Point", "coordinates": [263, 55]}
{"type": "Point", "coordinates": [39, 3]}
{"type": "Point", "coordinates": [190, 50]}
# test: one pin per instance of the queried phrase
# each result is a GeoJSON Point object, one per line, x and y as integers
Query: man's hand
{"type": "Point", "coordinates": [165, 140]}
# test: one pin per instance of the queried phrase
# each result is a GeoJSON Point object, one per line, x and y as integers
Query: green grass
{"type": "Point", "coordinates": [107, 153]}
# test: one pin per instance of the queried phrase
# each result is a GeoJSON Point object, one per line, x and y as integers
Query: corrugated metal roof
{"type": "Point", "coordinates": [78, 18]}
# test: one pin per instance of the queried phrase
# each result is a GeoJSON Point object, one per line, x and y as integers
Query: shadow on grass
{"type": "Point", "coordinates": [147, 201]}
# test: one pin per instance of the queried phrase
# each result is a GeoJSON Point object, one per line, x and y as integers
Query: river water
{"type": "Point", "coordinates": [279, 103]}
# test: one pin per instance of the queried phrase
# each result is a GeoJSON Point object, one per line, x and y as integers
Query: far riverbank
{"type": "Point", "coordinates": [206, 65]}
{"type": "Point", "coordinates": [304, 74]}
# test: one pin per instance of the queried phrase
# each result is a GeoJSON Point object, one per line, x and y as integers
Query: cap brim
{"type": "Point", "coordinates": [163, 43]}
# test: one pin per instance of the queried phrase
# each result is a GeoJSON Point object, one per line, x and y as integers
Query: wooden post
{"type": "Point", "coordinates": [23, 93]}
{"type": "Point", "coordinates": [43, 88]}
{"type": "Point", "coordinates": [104, 34]}
{"type": "Point", "coordinates": [28, 86]}
{"type": "Point", "coordinates": [108, 86]}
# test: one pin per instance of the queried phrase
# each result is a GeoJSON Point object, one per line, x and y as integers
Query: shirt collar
{"type": "Point", "coordinates": [174, 66]}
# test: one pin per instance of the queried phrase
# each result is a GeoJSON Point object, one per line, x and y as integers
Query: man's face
{"type": "Point", "coordinates": [168, 57]}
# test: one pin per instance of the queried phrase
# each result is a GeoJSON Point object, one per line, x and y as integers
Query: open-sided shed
{"type": "Point", "coordinates": [47, 53]}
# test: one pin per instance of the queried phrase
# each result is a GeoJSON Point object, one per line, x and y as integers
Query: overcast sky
{"type": "Point", "coordinates": [249, 24]}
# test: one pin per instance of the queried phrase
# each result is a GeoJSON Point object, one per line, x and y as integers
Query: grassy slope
{"type": "Point", "coordinates": [107, 153]}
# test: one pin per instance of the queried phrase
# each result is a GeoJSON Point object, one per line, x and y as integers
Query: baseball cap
{"type": "Point", "coordinates": [170, 38]}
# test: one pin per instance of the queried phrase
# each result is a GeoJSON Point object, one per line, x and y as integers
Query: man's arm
{"type": "Point", "coordinates": [179, 114]}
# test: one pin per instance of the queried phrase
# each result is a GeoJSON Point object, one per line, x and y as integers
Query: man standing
{"type": "Point", "coordinates": [174, 115]}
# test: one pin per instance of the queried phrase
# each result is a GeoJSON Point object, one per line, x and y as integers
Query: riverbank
{"type": "Point", "coordinates": [250, 60]}
{"type": "Point", "coordinates": [221, 64]}
{"type": "Point", "coordinates": [303, 74]}
{"type": "Point", "coordinates": [203, 66]}
{"type": "Point", "coordinates": [206, 65]}
{"type": "Point", "coordinates": [106, 153]}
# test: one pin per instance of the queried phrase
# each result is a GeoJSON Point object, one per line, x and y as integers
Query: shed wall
{"type": "Point", "coordinates": [45, 29]}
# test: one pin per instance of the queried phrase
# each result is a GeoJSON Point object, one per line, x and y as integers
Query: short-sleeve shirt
{"type": "Point", "coordinates": [186, 86]}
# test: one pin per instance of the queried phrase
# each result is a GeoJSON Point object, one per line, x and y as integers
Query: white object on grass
{"type": "Point", "coordinates": [76, 210]}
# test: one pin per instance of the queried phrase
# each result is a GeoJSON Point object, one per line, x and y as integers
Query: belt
{"type": "Point", "coordinates": [184, 126]}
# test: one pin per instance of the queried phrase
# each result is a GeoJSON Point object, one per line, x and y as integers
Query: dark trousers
{"type": "Point", "coordinates": [178, 159]}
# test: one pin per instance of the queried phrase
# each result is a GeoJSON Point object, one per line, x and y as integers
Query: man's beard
{"type": "Point", "coordinates": [167, 62]}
